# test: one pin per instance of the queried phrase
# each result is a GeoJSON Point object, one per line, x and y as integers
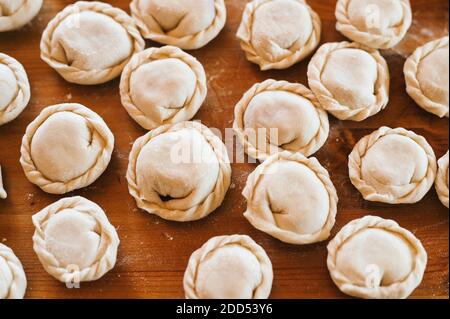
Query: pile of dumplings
{"type": "Point", "coordinates": [290, 195]}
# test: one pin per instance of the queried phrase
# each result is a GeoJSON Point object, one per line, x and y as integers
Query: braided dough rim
{"type": "Point", "coordinates": [375, 41]}
{"type": "Point", "coordinates": [210, 203]}
{"type": "Point", "coordinates": [413, 86]}
{"type": "Point", "coordinates": [368, 192]}
{"type": "Point", "coordinates": [325, 97]}
{"type": "Point", "coordinates": [287, 236]}
{"type": "Point", "coordinates": [401, 289]}
{"type": "Point", "coordinates": [189, 42]}
{"type": "Point", "coordinates": [441, 180]}
{"type": "Point", "coordinates": [3, 194]}
{"type": "Point", "coordinates": [19, 284]}
{"type": "Point", "coordinates": [107, 252]}
{"type": "Point", "coordinates": [261, 292]}
{"type": "Point", "coordinates": [21, 17]}
{"type": "Point", "coordinates": [185, 113]}
{"type": "Point", "coordinates": [244, 34]}
{"type": "Point", "coordinates": [53, 187]}
{"type": "Point", "coordinates": [96, 76]}
{"type": "Point", "coordinates": [271, 85]}
{"type": "Point", "coordinates": [23, 95]}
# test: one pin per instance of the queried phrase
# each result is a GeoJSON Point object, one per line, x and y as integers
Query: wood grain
{"type": "Point", "coordinates": [153, 253]}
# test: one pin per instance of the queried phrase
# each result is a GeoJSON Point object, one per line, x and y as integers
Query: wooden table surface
{"type": "Point", "coordinates": [153, 253]}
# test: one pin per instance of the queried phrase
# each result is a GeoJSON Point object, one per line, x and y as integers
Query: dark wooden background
{"type": "Point", "coordinates": [153, 253]}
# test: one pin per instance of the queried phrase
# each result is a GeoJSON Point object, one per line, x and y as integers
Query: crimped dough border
{"type": "Point", "coordinates": [368, 192]}
{"type": "Point", "coordinates": [103, 159]}
{"type": "Point", "coordinates": [189, 42]}
{"type": "Point", "coordinates": [19, 284]}
{"type": "Point", "coordinates": [23, 94]}
{"type": "Point", "coordinates": [185, 113]}
{"type": "Point", "coordinates": [265, 286]}
{"type": "Point", "coordinates": [397, 290]}
{"type": "Point", "coordinates": [244, 34]}
{"type": "Point", "coordinates": [326, 98]}
{"type": "Point", "coordinates": [376, 41]}
{"type": "Point", "coordinates": [413, 86]}
{"type": "Point", "coordinates": [441, 180]}
{"type": "Point", "coordinates": [210, 203]}
{"type": "Point", "coordinates": [271, 85]}
{"type": "Point", "coordinates": [97, 76]}
{"type": "Point", "coordinates": [107, 252]}
{"type": "Point", "coordinates": [253, 217]}
{"type": "Point", "coordinates": [26, 13]}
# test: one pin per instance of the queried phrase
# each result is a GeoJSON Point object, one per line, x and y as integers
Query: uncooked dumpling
{"type": "Point", "coordinates": [66, 147]}
{"type": "Point", "coordinates": [373, 258]}
{"type": "Point", "coordinates": [74, 240]}
{"type": "Point", "coordinates": [229, 267]}
{"type": "Point", "coordinates": [187, 24]}
{"type": "Point", "coordinates": [162, 86]}
{"type": "Point", "coordinates": [392, 166]}
{"type": "Point", "coordinates": [275, 34]}
{"type": "Point", "coordinates": [291, 198]}
{"type": "Point", "coordinates": [349, 80]}
{"type": "Point", "coordinates": [90, 42]}
{"type": "Point", "coordinates": [14, 88]}
{"type": "Point", "coordinates": [442, 179]}
{"type": "Point", "coordinates": [13, 281]}
{"type": "Point", "coordinates": [379, 24]}
{"type": "Point", "coordinates": [427, 77]}
{"type": "Point", "coordinates": [274, 116]}
{"type": "Point", "coordinates": [14, 14]}
{"type": "Point", "coordinates": [179, 172]}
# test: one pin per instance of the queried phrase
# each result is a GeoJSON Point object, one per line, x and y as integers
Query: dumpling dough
{"type": "Point", "coordinates": [14, 88]}
{"type": "Point", "coordinates": [162, 86]}
{"type": "Point", "coordinates": [393, 166]}
{"type": "Point", "coordinates": [179, 172]}
{"type": "Point", "coordinates": [74, 240]}
{"type": "Point", "coordinates": [14, 14]}
{"type": "Point", "coordinates": [229, 267]}
{"type": "Point", "coordinates": [291, 198]}
{"type": "Point", "coordinates": [375, 258]}
{"type": "Point", "coordinates": [379, 24]}
{"type": "Point", "coordinates": [274, 116]}
{"type": "Point", "coordinates": [13, 282]}
{"type": "Point", "coordinates": [349, 80]}
{"type": "Point", "coordinates": [276, 34]}
{"type": "Point", "coordinates": [3, 194]}
{"type": "Point", "coordinates": [66, 147]}
{"type": "Point", "coordinates": [187, 24]}
{"type": "Point", "coordinates": [90, 42]}
{"type": "Point", "coordinates": [442, 179]}
{"type": "Point", "coordinates": [427, 76]}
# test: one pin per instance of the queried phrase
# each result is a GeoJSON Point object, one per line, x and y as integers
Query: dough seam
{"type": "Point", "coordinates": [376, 41]}
{"type": "Point", "coordinates": [190, 276]}
{"type": "Point", "coordinates": [244, 34]}
{"type": "Point", "coordinates": [21, 17]}
{"type": "Point", "coordinates": [401, 289]}
{"type": "Point", "coordinates": [103, 158]}
{"type": "Point", "coordinates": [19, 282]}
{"type": "Point", "coordinates": [441, 182]}
{"type": "Point", "coordinates": [271, 85]}
{"type": "Point", "coordinates": [96, 76]}
{"type": "Point", "coordinates": [107, 250]}
{"type": "Point", "coordinates": [210, 203]}
{"type": "Point", "coordinates": [188, 110]}
{"type": "Point", "coordinates": [370, 193]}
{"type": "Point", "coordinates": [23, 95]}
{"type": "Point", "coordinates": [189, 42]}
{"type": "Point", "coordinates": [413, 86]}
{"type": "Point", "coordinates": [326, 98]}
{"type": "Point", "coordinates": [284, 235]}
